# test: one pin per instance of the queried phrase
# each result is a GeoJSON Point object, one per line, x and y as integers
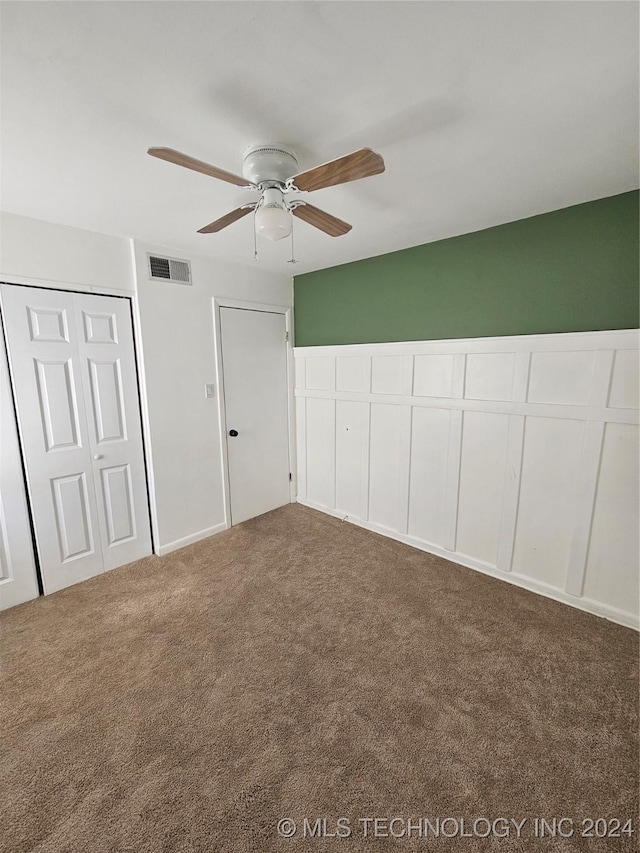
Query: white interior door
{"type": "Point", "coordinates": [254, 366]}
{"type": "Point", "coordinates": [74, 377]}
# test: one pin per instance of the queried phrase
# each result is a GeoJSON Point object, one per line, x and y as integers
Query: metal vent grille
{"type": "Point", "coordinates": [169, 269]}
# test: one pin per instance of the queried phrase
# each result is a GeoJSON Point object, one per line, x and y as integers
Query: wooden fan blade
{"type": "Point", "coordinates": [331, 225]}
{"type": "Point", "coordinates": [351, 167]}
{"type": "Point", "coordinates": [198, 166]}
{"type": "Point", "coordinates": [227, 219]}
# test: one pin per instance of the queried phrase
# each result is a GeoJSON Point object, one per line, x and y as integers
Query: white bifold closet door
{"type": "Point", "coordinates": [75, 385]}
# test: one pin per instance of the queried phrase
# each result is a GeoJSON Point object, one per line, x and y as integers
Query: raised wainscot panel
{"type": "Point", "coordinates": [353, 374]}
{"type": "Point", "coordinates": [320, 373]}
{"type": "Point", "coordinates": [613, 561]}
{"type": "Point", "coordinates": [561, 377]}
{"type": "Point", "coordinates": [300, 372]}
{"type": "Point", "coordinates": [321, 451]}
{"type": "Point", "coordinates": [434, 375]}
{"type": "Point", "coordinates": [301, 444]}
{"type": "Point", "coordinates": [489, 376]}
{"type": "Point", "coordinates": [517, 456]}
{"type": "Point", "coordinates": [429, 454]}
{"type": "Point", "coordinates": [625, 382]}
{"type": "Point", "coordinates": [352, 443]}
{"type": "Point", "coordinates": [547, 508]}
{"type": "Point", "coordinates": [385, 464]}
{"type": "Point", "coordinates": [484, 449]}
{"type": "Point", "coordinates": [391, 374]}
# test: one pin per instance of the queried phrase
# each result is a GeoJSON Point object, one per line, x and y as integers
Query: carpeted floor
{"type": "Point", "coordinates": [298, 666]}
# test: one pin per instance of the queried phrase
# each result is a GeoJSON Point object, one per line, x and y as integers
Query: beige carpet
{"type": "Point", "coordinates": [298, 666]}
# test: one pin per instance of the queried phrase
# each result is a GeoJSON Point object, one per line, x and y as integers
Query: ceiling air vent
{"type": "Point", "coordinates": [169, 269]}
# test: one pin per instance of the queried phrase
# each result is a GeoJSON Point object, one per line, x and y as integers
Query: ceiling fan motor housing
{"type": "Point", "coordinates": [269, 163]}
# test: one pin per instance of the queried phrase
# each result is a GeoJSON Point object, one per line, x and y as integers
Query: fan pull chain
{"type": "Point", "coordinates": [293, 259]}
{"type": "Point", "coordinates": [255, 238]}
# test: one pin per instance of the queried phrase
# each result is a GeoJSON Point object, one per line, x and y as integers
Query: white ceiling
{"type": "Point", "coordinates": [485, 112]}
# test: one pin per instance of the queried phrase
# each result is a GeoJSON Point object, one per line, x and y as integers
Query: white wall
{"type": "Point", "coordinates": [177, 348]}
{"type": "Point", "coordinates": [37, 252]}
{"type": "Point", "coordinates": [34, 252]}
{"type": "Point", "coordinates": [174, 332]}
{"type": "Point", "coordinates": [516, 456]}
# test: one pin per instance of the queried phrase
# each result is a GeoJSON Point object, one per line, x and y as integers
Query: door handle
{"type": "Point", "coordinates": [233, 433]}
{"type": "Point", "coordinates": [97, 456]}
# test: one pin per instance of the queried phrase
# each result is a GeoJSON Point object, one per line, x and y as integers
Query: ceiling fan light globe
{"type": "Point", "coordinates": [273, 222]}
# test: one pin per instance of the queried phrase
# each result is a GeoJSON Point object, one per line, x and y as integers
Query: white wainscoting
{"type": "Point", "coordinates": [516, 456]}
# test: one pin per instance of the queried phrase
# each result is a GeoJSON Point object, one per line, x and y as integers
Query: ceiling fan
{"type": "Point", "coordinates": [272, 170]}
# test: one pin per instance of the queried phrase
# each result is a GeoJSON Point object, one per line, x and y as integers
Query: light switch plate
{"type": "Point", "coordinates": [209, 390]}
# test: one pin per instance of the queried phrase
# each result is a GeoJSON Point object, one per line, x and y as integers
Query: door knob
{"type": "Point", "coordinates": [233, 432]}
{"type": "Point", "coordinates": [98, 456]}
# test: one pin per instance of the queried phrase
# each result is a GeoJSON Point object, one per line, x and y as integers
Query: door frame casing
{"type": "Point", "coordinates": [287, 311]}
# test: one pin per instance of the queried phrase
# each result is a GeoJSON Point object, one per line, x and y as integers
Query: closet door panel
{"type": "Point", "coordinates": [107, 366]}
{"type": "Point", "coordinates": [44, 361]}
{"type": "Point", "coordinates": [73, 366]}
{"type": "Point", "coordinates": [17, 564]}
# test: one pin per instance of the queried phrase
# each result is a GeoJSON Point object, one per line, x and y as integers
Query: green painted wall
{"type": "Point", "coordinates": [571, 270]}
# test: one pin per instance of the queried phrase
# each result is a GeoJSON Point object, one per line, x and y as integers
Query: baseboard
{"type": "Point", "coordinates": [325, 509]}
{"type": "Point", "coordinates": [189, 540]}
{"type": "Point", "coordinates": [588, 605]}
